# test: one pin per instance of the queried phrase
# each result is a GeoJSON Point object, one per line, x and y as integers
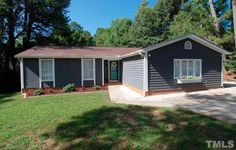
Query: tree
{"type": "Point", "coordinates": [194, 18]}
{"type": "Point", "coordinates": [165, 10]}
{"type": "Point", "coordinates": [86, 39]}
{"type": "Point", "coordinates": [119, 32]}
{"type": "Point", "coordinates": [71, 35]}
{"type": "Point", "coordinates": [102, 37]}
{"type": "Point", "coordinates": [25, 20]}
{"type": "Point", "coordinates": [234, 19]}
{"type": "Point", "coordinates": [230, 64]}
{"type": "Point", "coordinates": [143, 28]}
{"type": "Point", "coordinates": [213, 13]}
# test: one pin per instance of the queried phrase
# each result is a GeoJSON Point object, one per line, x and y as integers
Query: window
{"type": "Point", "coordinates": [88, 69]}
{"type": "Point", "coordinates": [47, 69]}
{"type": "Point", "coordinates": [187, 45]}
{"type": "Point", "coordinates": [187, 68]}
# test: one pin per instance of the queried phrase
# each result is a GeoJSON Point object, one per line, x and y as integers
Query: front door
{"type": "Point", "coordinates": [113, 70]}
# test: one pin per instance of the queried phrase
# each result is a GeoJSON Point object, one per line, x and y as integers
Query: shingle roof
{"type": "Point", "coordinates": [75, 52]}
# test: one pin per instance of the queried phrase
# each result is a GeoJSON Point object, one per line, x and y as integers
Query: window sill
{"type": "Point", "coordinates": [186, 81]}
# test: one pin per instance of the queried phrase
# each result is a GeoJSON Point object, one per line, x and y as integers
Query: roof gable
{"type": "Point", "coordinates": [192, 37]}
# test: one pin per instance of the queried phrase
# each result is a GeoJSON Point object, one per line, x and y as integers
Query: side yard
{"type": "Point", "coordinates": [90, 121]}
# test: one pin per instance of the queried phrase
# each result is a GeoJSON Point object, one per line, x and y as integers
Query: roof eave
{"type": "Point", "coordinates": [193, 37]}
{"type": "Point", "coordinates": [73, 57]}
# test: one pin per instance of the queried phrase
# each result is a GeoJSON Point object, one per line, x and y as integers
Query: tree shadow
{"type": "Point", "coordinates": [229, 85]}
{"type": "Point", "coordinates": [4, 98]}
{"type": "Point", "coordinates": [221, 106]}
{"type": "Point", "coordinates": [135, 127]}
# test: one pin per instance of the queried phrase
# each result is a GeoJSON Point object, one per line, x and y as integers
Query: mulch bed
{"type": "Point", "coordinates": [58, 90]}
{"type": "Point", "coordinates": [230, 77]}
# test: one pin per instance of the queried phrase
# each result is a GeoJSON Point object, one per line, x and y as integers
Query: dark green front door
{"type": "Point", "coordinates": [113, 70]}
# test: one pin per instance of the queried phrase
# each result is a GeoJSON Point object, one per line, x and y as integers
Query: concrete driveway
{"type": "Point", "coordinates": [217, 103]}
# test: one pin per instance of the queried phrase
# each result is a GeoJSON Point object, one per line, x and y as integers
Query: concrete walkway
{"type": "Point", "coordinates": [217, 103]}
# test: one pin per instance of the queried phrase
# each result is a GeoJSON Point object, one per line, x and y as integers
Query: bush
{"type": "Point", "coordinates": [69, 87]}
{"type": "Point", "coordinates": [97, 87]}
{"type": "Point", "coordinates": [38, 92]}
{"type": "Point", "coordinates": [230, 64]}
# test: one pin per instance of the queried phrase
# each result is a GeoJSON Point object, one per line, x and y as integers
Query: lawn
{"type": "Point", "coordinates": [89, 121]}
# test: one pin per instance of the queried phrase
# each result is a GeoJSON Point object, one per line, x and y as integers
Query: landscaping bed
{"type": "Point", "coordinates": [230, 77]}
{"type": "Point", "coordinates": [59, 90]}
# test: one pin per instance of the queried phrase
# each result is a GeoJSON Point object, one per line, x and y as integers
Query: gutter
{"type": "Point", "coordinates": [138, 52]}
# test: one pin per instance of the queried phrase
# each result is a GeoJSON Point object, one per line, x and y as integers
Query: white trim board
{"type": "Point", "coordinates": [22, 74]}
{"type": "Point", "coordinates": [102, 71]}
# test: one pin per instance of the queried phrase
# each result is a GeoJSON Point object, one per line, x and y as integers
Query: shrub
{"type": "Point", "coordinates": [97, 87]}
{"type": "Point", "coordinates": [38, 92]}
{"type": "Point", "coordinates": [69, 87]}
{"type": "Point", "coordinates": [230, 64]}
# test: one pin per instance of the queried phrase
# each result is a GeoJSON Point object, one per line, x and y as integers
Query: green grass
{"type": "Point", "coordinates": [89, 121]}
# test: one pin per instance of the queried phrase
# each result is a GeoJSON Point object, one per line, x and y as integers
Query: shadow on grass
{"type": "Point", "coordinates": [4, 98]}
{"type": "Point", "coordinates": [135, 127]}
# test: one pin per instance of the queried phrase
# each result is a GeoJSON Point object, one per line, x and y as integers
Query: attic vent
{"type": "Point", "coordinates": [187, 45]}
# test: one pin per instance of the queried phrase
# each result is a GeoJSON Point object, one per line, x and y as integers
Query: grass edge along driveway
{"type": "Point", "coordinates": [90, 121]}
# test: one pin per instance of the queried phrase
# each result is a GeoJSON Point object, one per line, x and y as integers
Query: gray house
{"type": "Point", "coordinates": [185, 63]}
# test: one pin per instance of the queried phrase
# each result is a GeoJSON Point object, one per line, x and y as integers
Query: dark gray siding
{"type": "Point", "coordinates": [47, 84]}
{"type": "Point", "coordinates": [98, 68]}
{"type": "Point", "coordinates": [160, 65]}
{"type": "Point", "coordinates": [31, 73]}
{"type": "Point", "coordinates": [67, 71]}
{"type": "Point", "coordinates": [105, 71]}
{"type": "Point", "coordinates": [133, 71]}
{"type": "Point", "coordinates": [120, 70]}
{"type": "Point", "coordinates": [88, 83]}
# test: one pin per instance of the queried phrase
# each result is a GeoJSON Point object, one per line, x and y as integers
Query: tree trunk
{"type": "Point", "coordinates": [11, 36]}
{"type": "Point", "coordinates": [234, 18]}
{"type": "Point", "coordinates": [213, 13]}
{"type": "Point", "coordinates": [1, 27]}
{"type": "Point", "coordinates": [27, 26]}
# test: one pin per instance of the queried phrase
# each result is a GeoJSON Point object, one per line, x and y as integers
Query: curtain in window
{"type": "Point", "coordinates": [187, 68]}
{"type": "Point", "coordinates": [46, 70]}
{"type": "Point", "coordinates": [197, 68]}
{"type": "Point", "coordinates": [88, 69]}
{"type": "Point", "coordinates": [177, 68]}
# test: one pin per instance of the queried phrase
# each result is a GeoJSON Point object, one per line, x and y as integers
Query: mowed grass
{"type": "Point", "coordinates": [90, 121]}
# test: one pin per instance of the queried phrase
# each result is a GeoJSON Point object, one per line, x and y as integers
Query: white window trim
{"type": "Point", "coordinates": [102, 71]}
{"type": "Point", "coordinates": [40, 72]}
{"type": "Point", "coordinates": [94, 73]}
{"type": "Point", "coordinates": [194, 70]}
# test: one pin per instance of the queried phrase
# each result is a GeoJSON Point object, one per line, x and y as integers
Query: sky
{"type": "Point", "coordinates": [93, 14]}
